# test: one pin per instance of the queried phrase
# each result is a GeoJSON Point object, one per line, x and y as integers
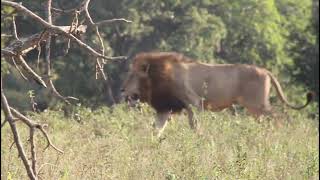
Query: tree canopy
{"type": "Point", "coordinates": [281, 36]}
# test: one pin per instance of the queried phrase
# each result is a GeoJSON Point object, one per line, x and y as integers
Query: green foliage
{"type": "Point", "coordinates": [117, 143]}
{"type": "Point", "coordinates": [255, 34]}
{"type": "Point", "coordinates": [281, 36]}
{"type": "Point", "coordinates": [5, 24]}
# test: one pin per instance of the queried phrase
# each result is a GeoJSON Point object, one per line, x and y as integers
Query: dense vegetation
{"type": "Point", "coordinates": [117, 144]}
{"type": "Point", "coordinates": [279, 35]}
{"type": "Point", "coordinates": [101, 141]}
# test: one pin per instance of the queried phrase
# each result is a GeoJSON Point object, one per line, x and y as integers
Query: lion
{"type": "Point", "coordinates": [171, 82]}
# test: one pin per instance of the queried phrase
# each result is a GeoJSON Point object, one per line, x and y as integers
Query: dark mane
{"type": "Point", "coordinates": [158, 89]}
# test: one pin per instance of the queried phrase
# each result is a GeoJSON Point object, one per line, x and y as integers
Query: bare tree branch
{"type": "Point", "coordinates": [19, 47]}
{"type": "Point", "coordinates": [15, 34]}
{"type": "Point", "coordinates": [20, 60]}
{"type": "Point", "coordinates": [58, 30]}
{"type": "Point", "coordinates": [111, 21]}
{"type": "Point", "coordinates": [48, 59]}
{"type": "Point", "coordinates": [17, 67]}
{"type": "Point", "coordinates": [32, 124]}
{"type": "Point", "coordinates": [5, 107]}
{"type": "Point", "coordinates": [24, 45]}
{"type": "Point", "coordinates": [3, 123]}
{"type": "Point", "coordinates": [99, 66]}
{"type": "Point", "coordinates": [6, 35]}
{"type": "Point", "coordinates": [6, 52]}
{"type": "Point", "coordinates": [79, 9]}
{"type": "Point", "coordinates": [33, 152]}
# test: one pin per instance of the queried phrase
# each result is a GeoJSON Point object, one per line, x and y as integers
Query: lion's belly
{"type": "Point", "coordinates": [219, 87]}
{"type": "Point", "coordinates": [217, 91]}
{"type": "Point", "coordinates": [216, 106]}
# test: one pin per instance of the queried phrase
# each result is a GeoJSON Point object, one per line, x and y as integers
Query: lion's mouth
{"type": "Point", "coordinates": [133, 97]}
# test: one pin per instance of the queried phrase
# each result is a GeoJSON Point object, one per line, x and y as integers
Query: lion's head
{"type": "Point", "coordinates": [130, 89]}
{"type": "Point", "coordinates": [134, 86]}
{"type": "Point", "coordinates": [150, 80]}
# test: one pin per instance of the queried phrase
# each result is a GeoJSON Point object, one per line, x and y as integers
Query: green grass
{"type": "Point", "coordinates": [118, 144]}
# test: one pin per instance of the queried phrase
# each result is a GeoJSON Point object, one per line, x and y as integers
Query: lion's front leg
{"type": "Point", "coordinates": [161, 122]}
{"type": "Point", "coordinates": [187, 95]}
{"type": "Point", "coordinates": [184, 90]}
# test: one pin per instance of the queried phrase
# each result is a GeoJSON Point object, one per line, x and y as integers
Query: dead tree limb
{"type": "Point", "coordinates": [99, 66]}
{"type": "Point", "coordinates": [15, 34]}
{"type": "Point", "coordinates": [3, 123]}
{"type": "Point", "coordinates": [108, 21]}
{"type": "Point", "coordinates": [9, 114]}
{"type": "Point", "coordinates": [58, 30]}
{"type": "Point", "coordinates": [26, 44]}
{"type": "Point", "coordinates": [20, 46]}
{"type": "Point", "coordinates": [9, 118]}
{"type": "Point", "coordinates": [33, 152]}
{"type": "Point", "coordinates": [20, 60]}
{"type": "Point", "coordinates": [32, 124]}
{"type": "Point", "coordinates": [48, 59]}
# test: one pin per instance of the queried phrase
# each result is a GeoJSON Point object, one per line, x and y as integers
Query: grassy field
{"type": "Point", "coordinates": [118, 144]}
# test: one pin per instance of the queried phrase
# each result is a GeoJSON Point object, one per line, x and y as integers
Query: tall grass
{"type": "Point", "coordinates": [118, 144]}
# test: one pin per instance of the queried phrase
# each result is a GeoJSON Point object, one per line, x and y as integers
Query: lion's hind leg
{"type": "Point", "coordinates": [266, 113]}
{"type": "Point", "coordinates": [258, 111]}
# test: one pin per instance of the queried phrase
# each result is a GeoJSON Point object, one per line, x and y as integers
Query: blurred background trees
{"type": "Point", "coordinates": [282, 36]}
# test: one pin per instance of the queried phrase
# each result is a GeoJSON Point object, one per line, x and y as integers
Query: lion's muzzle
{"type": "Point", "coordinates": [131, 99]}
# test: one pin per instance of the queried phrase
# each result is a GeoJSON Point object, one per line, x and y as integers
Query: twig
{"type": "Point", "coordinates": [33, 152]}
{"type": "Point", "coordinates": [3, 123]}
{"type": "Point", "coordinates": [24, 45]}
{"type": "Point", "coordinates": [9, 117]}
{"type": "Point", "coordinates": [49, 141]}
{"type": "Point", "coordinates": [48, 59]}
{"type": "Point", "coordinates": [17, 67]}
{"type": "Point", "coordinates": [79, 9]}
{"type": "Point", "coordinates": [32, 124]}
{"type": "Point", "coordinates": [15, 34]}
{"type": "Point", "coordinates": [26, 67]}
{"type": "Point", "coordinates": [48, 43]}
{"type": "Point", "coordinates": [6, 52]}
{"type": "Point", "coordinates": [58, 95]}
{"type": "Point", "coordinates": [6, 35]}
{"type": "Point", "coordinates": [99, 67]}
{"type": "Point", "coordinates": [41, 167]}
{"type": "Point", "coordinates": [112, 21]}
{"type": "Point", "coordinates": [39, 54]}
{"type": "Point", "coordinates": [39, 46]}
{"type": "Point", "coordinates": [66, 11]}
{"type": "Point", "coordinates": [11, 146]}
{"type": "Point", "coordinates": [57, 29]}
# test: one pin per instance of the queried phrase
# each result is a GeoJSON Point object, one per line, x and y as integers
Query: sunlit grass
{"type": "Point", "coordinates": [118, 144]}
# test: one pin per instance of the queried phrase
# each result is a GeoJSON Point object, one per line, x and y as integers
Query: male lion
{"type": "Point", "coordinates": [171, 82]}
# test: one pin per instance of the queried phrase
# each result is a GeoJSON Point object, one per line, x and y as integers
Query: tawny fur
{"type": "Point", "coordinates": [219, 85]}
{"type": "Point", "coordinates": [170, 82]}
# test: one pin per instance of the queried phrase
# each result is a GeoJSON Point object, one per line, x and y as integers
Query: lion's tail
{"type": "Point", "coordinates": [276, 84]}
